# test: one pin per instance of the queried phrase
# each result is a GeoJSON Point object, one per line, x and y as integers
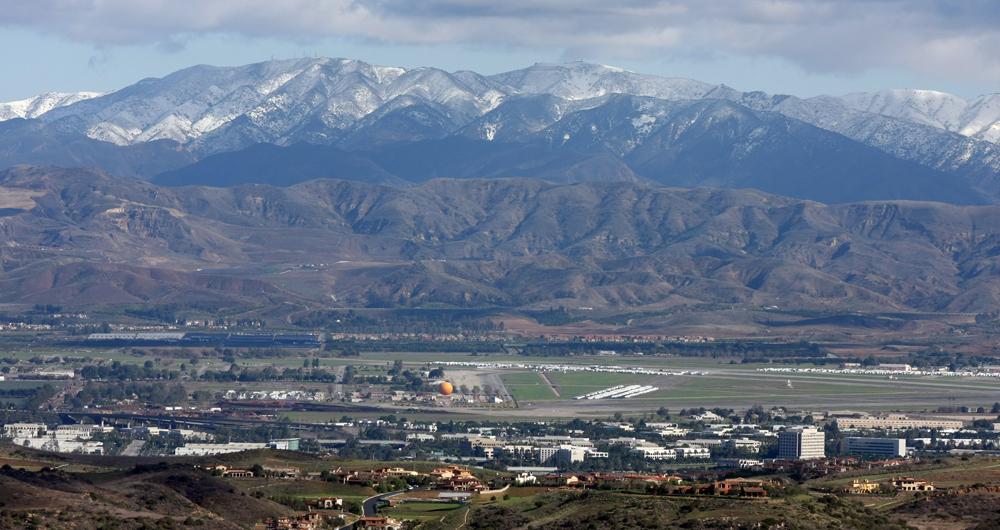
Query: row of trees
{"type": "Point", "coordinates": [156, 393]}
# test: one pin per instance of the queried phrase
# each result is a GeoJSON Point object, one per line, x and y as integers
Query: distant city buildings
{"type": "Point", "coordinates": [61, 439]}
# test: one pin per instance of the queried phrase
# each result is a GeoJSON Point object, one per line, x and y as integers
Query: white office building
{"type": "Point", "coordinates": [801, 443]}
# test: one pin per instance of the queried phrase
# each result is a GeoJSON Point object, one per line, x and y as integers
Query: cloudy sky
{"type": "Point", "coordinates": [802, 47]}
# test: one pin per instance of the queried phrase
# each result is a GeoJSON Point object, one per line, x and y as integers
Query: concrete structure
{"type": "Point", "coordinates": [876, 447]}
{"type": "Point", "coordinates": [801, 443]}
{"type": "Point", "coordinates": [897, 422]}
{"type": "Point", "coordinates": [285, 444]}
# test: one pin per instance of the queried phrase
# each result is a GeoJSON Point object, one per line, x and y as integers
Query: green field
{"type": "Point", "coordinates": [527, 386]}
{"type": "Point", "coordinates": [421, 510]}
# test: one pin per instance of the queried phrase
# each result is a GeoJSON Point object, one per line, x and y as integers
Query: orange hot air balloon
{"type": "Point", "coordinates": [446, 388]}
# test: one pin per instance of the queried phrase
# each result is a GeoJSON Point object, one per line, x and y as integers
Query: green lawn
{"type": "Point", "coordinates": [527, 386]}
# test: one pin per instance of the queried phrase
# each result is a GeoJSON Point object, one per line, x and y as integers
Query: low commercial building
{"type": "Point", "coordinates": [80, 432]}
{"type": "Point", "coordinates": [744, 444]}
{"type": "Point", "coordinates": [216, 449]}
{"type": "Point", "coordinates": [693, 451]}
{"type": "Point", "coordinates": [876, 447]}
{"type": "Point", "coordinates": [487, 444]}
{"type": "Point", "coordinates": [655, 452]}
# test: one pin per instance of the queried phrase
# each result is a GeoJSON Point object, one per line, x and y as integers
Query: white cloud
{"type": "Point", "coordinates": [925, 36]}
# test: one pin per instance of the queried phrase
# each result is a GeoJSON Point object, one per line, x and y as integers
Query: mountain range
{"type": "Point", "coordinates": [286, 122]}
{"type": "Point", "coordinates": [85, 238]}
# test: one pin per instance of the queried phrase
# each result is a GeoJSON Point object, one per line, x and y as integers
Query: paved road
{"type": "Point", "coordinates": [370, 505]}
{"type": "Point", "coordinates": [132, 449]}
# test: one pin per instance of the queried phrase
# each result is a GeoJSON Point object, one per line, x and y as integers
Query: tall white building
{"type": "Point", "coordinates": [801, 443]}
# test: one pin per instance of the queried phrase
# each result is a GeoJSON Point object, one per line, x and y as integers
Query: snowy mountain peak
{"type": "Point", "coordinates": [580, 80]}
{"type": "Point", "coordinates": [978, 118]}
{"type": "Point", "coordinates": [34, 107]}
{"type": "Point", "coordinates": [213, 109]}
{"type": "Point", "coordinates": [927, 107]}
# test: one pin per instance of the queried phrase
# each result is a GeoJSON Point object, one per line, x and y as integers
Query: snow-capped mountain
{"type": "Point", "coordinates": [34, 107]}
{"type": "Point", "coordinates": [579, 80]}
{"type": "Point", "coordinates": [311, 99]}
{"type": "Point", "coordinates": [274, 99]}
{"type": "Point", "coordinates": [978, 118]}
{"type": "Point", "coordinates": [562, 121]}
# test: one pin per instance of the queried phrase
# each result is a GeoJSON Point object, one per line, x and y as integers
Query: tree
{"type": "Point", "coordinates": [397, 368]}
